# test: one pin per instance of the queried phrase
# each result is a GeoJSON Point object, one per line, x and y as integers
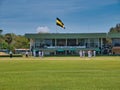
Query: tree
{"type": "Point", "coordinates": [1, 31]}
{"type": "Point", "coordinates": [1, 40]}
{"type": "Point", "coordinates": [4, 45]}
{"type": "Point", "coordinates": [115, 29]}
{"type": "Point", "coordinates": [12, 41]}
{"type": "Point", "coordinates": [21, 42]}
{"type": "Point", "coordinates": [8, 38]}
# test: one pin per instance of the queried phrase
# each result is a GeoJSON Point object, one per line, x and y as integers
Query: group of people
{"type": "Point", "coordinates": [82, 53]}
{"type": "Point", "coordinates": [90, 53]}
{"type": "Point", "coordinates": [40, 54]}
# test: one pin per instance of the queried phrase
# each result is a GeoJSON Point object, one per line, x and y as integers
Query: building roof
{"type": "Point", "coordinates": [114, 35]}
{"type": "Point", "coordinates": [66, 35]}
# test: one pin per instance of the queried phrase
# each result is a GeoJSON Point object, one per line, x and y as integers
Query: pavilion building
{"type": "Point", "coordinates": [66, 43]}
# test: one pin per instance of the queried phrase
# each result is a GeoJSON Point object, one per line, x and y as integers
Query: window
{"type": "Point", "coordinates": [71, 42]}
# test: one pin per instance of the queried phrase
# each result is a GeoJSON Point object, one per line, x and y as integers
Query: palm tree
{"type": "Point", "coordinates": [8, 38]}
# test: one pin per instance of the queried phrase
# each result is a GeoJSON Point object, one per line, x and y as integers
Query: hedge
{"type": "Point", "coordinates": [14, 55]}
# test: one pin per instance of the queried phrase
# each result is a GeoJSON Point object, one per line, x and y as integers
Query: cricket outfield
{"type": "Point", "coordinates": [60, 73]}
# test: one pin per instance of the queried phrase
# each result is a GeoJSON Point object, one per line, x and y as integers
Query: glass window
{"type": "Point", "coordinates": [71, 42]}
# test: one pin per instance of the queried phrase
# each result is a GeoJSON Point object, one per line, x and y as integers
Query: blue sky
{"type": "Point", "coordinates": [79, 16]}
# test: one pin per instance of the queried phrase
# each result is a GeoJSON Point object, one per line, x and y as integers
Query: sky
{"type": "Point", "coordinates": [78, 16]}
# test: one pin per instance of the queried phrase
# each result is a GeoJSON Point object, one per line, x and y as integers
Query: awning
{"type": "Point", "coordinates": [97, 49]}
{"type": "Point", "coordinates": [60, 50]}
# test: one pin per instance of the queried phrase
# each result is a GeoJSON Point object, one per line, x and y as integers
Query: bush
{"type": "Point", "coordinates": [14, 55]}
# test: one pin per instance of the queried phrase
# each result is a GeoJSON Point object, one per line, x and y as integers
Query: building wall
{"type": "Point", "coordinates": [58, 43]}
{"type": "Point", "coordinates": [65, 46]}
{"type": "Point", "coordinates": [116, 42]}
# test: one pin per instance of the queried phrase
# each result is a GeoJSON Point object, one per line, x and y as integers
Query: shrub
{"type": "Point", "coordinates": [14, 55]}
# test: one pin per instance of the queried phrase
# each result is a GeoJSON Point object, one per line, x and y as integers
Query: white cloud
{"type": "Point", "coordinates": [44, 29]}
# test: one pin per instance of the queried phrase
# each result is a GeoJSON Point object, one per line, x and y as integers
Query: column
{"type": "Point", "coordinates": [76, 41]}
{"type": "Point", "coordinates": [66, 42]}
{"type": "Point", "coordinates": [98, 43]}
{"type": "Point", "coordinates": [55, 46]}
{"type": "Point", "coordinates": [66, 46]}
{"type": "Point", "coordinates": [55, 53]}
{"type": "Point", "coordinates": [32, 44]}
{"type": "Point", "coordinates": [88, 43]}
{"type": "Point", "coordinates": [55, 42]}
{"type": "Point", "coordinates": [101, 42]}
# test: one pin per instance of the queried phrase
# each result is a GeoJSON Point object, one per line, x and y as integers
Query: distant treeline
{"type": "Point", "coordinates": [11, 41]}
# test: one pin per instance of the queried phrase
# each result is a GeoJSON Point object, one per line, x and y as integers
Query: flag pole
{"type": "Point", "coordinates": [56, 29]}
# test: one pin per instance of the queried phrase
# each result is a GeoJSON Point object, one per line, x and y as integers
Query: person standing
{"type": "Point", "coordinates": [26, 53]}
{"type": "Point", "coordinates": [40, 53]}
{"type": "Point", "coordinates": [94, 53]}
{"type": "Point", "coordinates": [11, 54]}
{"type": "Point", "coordinates": [83, 53]}
{"type": "Point", "coordinates": [34, 53]}
{"type": "Point", "coordinates": [80, 53]}
{"type": "Point", "coordinates": [89, 53]}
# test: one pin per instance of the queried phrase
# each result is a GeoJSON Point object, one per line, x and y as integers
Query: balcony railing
{"type": "Point", "coordinates": [66, 47]}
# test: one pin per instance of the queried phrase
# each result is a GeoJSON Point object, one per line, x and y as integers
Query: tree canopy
{"type": "Point", "coordinates": [1, 31]}
{"type": "Point", "coordinates": [12, 41]}
{"type": "Point", "coordinates": [115, 29]}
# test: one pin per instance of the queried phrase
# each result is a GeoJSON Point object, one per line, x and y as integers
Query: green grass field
{"type": "Point", "coordinates": [60, 73]}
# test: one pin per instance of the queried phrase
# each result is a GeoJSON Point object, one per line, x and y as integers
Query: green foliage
{"type": "Point", "coordinates": [8, 38]}
{"type": "Point", "coordinates": [1, 31]}
{"type": "Point", "coordinates": [1, 38]}
{"type": "Point", "coordinates": [11, 41]}
{"type": "Point", "coordinates": [14, 55]}
{"type": "Point", "coordinates": [21, 42]}
{"type": "Point", "coordinates": [115, 29]}
{"type": "Point", "coordinates": [4, 45]}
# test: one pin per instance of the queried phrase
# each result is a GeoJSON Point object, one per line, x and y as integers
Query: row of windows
{"type": "Point", "coordinates": [68, 42]}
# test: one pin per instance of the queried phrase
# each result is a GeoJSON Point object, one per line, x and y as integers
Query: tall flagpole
{"type": "Point", "coordinates": [56, 26]}
{"type": "Point", "coordinates": [57, 29]}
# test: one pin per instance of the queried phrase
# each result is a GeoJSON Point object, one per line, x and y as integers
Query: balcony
{"type": "Point", "coordinates": [66, 47]}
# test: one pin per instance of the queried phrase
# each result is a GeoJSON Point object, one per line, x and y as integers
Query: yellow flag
{"type": "Point", "coordinates": [59, 23]}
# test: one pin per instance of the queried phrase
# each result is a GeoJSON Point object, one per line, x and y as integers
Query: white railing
{"type": "Point", "coordinates": [66, 47]}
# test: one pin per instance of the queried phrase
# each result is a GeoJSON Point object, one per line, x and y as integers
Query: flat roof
{"type": "Point", "coordinates": [65, 35]}
{"type": "Point", "coordinates": [114, 35]}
